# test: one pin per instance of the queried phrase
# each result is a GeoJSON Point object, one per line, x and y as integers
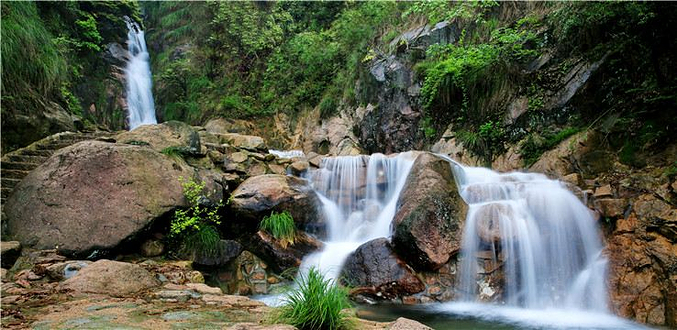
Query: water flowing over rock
{"type": "Point", "coordinates": [140, 102]}
{"type": "Point", "coordinates": [358, 195]}
{"type": "Point", "coordinates": [544, 237]}
{"type": "Point", "coordinates": [427, 227]}
{"type": "Point", "coordinates": [93, 196]}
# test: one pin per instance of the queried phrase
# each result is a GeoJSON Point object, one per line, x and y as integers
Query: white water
{"type": "Point", "coordinates": [137, 74]}
{"type": "Point", "coordinates": [286, 153]}
{"type": "Point", "coordinates": [359, 199]}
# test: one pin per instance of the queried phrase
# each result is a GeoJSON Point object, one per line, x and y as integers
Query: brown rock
{"type": "Point", "coordinates": [204, 288]}
{"type": "Point", "coordinates": [92, 196]}
{"type": "Point", "coordinates": [65, 270]}
{"type": "Point", "coordinates": [407, 324]}
{"type": "Point", "coordinates": [298, 167]}
{"type": "Point", "coordinates": [166, 135]}
{"type": "Point", "coordinates": [248, 142]}
{"type": "Point", "coordinates": [112, 278]}
{"type": "Point", "coordinates": [430, 214]}
{"type": "Point", "coordinates": [574, 179]}
{"type": "Point", "coordinates": [279, 256]}
{"type": "Point", "coordinates": [610, 207]}
{"type": "Point", "coordinates": [603, 192]}
{"type": "Point", "coordinates": [257, 196]}
{"type": "Point", "coordinates": [152, 248]}
{"type": "Point", "coordinates": [374, 264]}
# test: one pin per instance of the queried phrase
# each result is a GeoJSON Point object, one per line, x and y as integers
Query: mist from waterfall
{"type": "Point", "coordinates": [358, 197]}
{"type": "Point", "coordinates": [140, 102]}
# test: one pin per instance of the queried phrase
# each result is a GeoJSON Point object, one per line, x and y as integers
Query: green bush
{"type": "Point", "coordinates": [317, 303]}
{"type": "Point", "coordinates": [281, 226]}
{"type": "Point", "coordinates": [196, 226]}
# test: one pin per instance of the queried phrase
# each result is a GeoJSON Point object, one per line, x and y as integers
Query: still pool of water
{"type": "Point", "coordinates": [459, 316]}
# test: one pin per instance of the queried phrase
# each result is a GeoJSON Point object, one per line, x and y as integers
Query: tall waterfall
{"type": "Point", "coordinates": [138, 77]}
{"type": "Point", "coordinates": [359, 199]}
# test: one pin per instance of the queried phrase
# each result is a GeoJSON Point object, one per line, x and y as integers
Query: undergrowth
{"type": "Point", "coordinates": [316, 304]}
{"type": "Point", "coordinates": [281, 226]}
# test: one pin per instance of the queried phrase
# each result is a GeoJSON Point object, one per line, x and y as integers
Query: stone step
{"type": "Point", "coordinates": [43, 153]}
{"type": "Point", "coordinates": [5, 192]}
{"type": "Point", "coordinates": [37, 160]}
{"type": "Point", "coordinates": [13, 174]}
{"type": "Point", "coordinates": [9, 183]}
{"type": "Point", "coordinates": [18, 166]}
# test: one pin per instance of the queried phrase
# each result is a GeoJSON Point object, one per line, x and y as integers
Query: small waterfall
{"type": "Point", "coordinates": [359, 199]}
{"type": "Point", "coordinates": [546, 240]}
{"type": "Point", "coordinates": [286, 153]}
{"type": "Point", "coordinates": [138, 77]}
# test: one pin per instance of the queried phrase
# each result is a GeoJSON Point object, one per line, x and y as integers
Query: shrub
{"type": "Point", "coordinates": [281, 226]}
{"type": "Point", "coordinates": [195, 227]}
{"type": "Point", "coordinates": [317, 303]}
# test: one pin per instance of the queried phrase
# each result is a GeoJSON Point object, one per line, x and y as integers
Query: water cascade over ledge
{"type": "Point", "coordinates": [140, 102]}
{"type": "Point", "coordinates": [359, 199]}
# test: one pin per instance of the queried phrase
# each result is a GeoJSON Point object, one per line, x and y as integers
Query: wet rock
{"type": "Point", "coordinates": [299, 167]}
{"type": "Point", "coordinates": [427, 226]}
{"type": "Point", "coordinates": [603, 192]}
{"type": "Point", "coordinates": [65, 270]}
{"type": "Point", "coordinates": [171, 134]}
{"type": "Point", "coordinates": [281, 257]}
{"type": "Point", "coordinates": [112, 278]}
{"type": "Point", "coordinates": [152, 248]}
{"type": "Point", "coordinates": [257, 196]}
{"type": "Point", "coordinates": [246, 275]}
{"type": "Point", "coordinates": [9, 252]}
{"type": "Point", "coordinates": [610, 207]}
{"type": "Point", "coordinates": [59, 204]}
{"type": "Point", "coordinates": [374, 264]}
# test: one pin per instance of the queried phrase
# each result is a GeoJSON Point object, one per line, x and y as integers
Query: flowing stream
{"type": "Point", "coordinates": [138, 77]}
{"type": "Point", "coordinates": [359, 200]}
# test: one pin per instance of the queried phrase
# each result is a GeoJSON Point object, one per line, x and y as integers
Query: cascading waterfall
{"type": "Point", "coordinates": [137, 74]}
{"type": "Point", "coordinates": [545, 237]}
{"type": "Point", "coordinates": [549, 247]}
{"type": "Point", "coordinates": [286, 153]}
{"type": "Point", "coordinates": [359, 199]}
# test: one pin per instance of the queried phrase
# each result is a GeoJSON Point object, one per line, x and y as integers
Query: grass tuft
{"type": "Point", "coordinates": [316, 304]}
{"type": "Point", "coordinates": [281, 226]}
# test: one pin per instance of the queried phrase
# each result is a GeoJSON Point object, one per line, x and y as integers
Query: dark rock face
{"type": "Point", "coordinates": [279, 257]}
{"type": "Point", "coordinates": [9, 252]}
{"type": "Point", "coordinates": [93, 196]}
{"type": "Point", "coordinates": [227, 251]}
{"type": "Point", "coordinates": [430, 215]}
{"type": "Point", "coordinates": [257, 196]}
{"type": "Point", "coordinates": [374, 265]}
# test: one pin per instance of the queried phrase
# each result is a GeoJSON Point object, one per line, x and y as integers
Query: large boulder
{"type": "Point", "coordinates": [113, 278]}
{"type": "Point", "coordinates": [430, 214]}
{"type": "Point", "coordinates": [92, 196]}
{"type": "Point", "coordinates": [282, 256]}
{"type": "Point", "coordinates": [171, 134]}
{"type": "Point", "coordinates": [257, 196]}
{"type": "Point", "coordinates": [375, 265]}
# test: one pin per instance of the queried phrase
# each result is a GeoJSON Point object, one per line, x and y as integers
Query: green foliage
{"type": "Point", "coordinates": [197, 216]}
{"type": "Point", "coordinates": [205, 241]}
{"type": "Point", "coordinates": [316, 304]}
{"type": "Point", "coordinates": [535, 144]}
{"type": "Point", "coordinates": [72, 102]}
{"type": "Point", "coordinates": [439, 10]}
{"type": "Point", "coordinates": [427, 127]}
{"type": "Point", "coordinates": [281, 226]}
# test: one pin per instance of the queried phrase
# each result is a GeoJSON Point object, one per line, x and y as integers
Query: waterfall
{"type": "Point", "coordinates": [359, 199]}
{"type": "Point", "coordinates": [138, 77]}
{"type": "Point", "coordinates": [546, 239]}
{"type": "Point", "coordinates": [286, 153]}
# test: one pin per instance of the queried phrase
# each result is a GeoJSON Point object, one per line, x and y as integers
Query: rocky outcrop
{"type": "Point", "coordinates": [111, 278]}
{"type": "Point", "coordinates": [374, 269]}
{"type": "Point", "coordinates": [171, 134]}
{"type": "Point", "coordinates": [282, 257]}
{"type": "Point", "coordinates": [259, 195]}
{"type": "Point", "coordinates": [59, 204]}
{"type": "Point", "coordinates": [427, 226]}
{"type": "Point", "coordinates": [226, 251]}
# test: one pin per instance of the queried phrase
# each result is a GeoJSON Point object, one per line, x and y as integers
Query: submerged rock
{"type": "Point", "coordinates": [92, 196]}
{"type": "Point", "coordinates": [112, 278]}
{"type": "Point", "coordinates": [374, 264]}
{"type": "Point", "coordinates": [430, 215]}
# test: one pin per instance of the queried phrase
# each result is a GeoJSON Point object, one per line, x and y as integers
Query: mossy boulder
{"type": "Point", "coordinates": [428, 223]}
{"type": "Point", "coordinates": [92, 196]}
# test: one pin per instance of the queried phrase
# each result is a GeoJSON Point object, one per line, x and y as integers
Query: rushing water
{"type": "Point", "coordinates": [137, 74]}
{"type": "Point", "coordinates": [359, 199]}
{"type": "Point", "coordinates": [286, 153]}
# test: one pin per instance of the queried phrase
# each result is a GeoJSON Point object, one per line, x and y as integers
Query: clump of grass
{"type": "Point", "coordinates": [205, 241]}
{"type": "Point", "coordinates": [280, 226]}
{"type": "Point", "coordinates": [316, 304]}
